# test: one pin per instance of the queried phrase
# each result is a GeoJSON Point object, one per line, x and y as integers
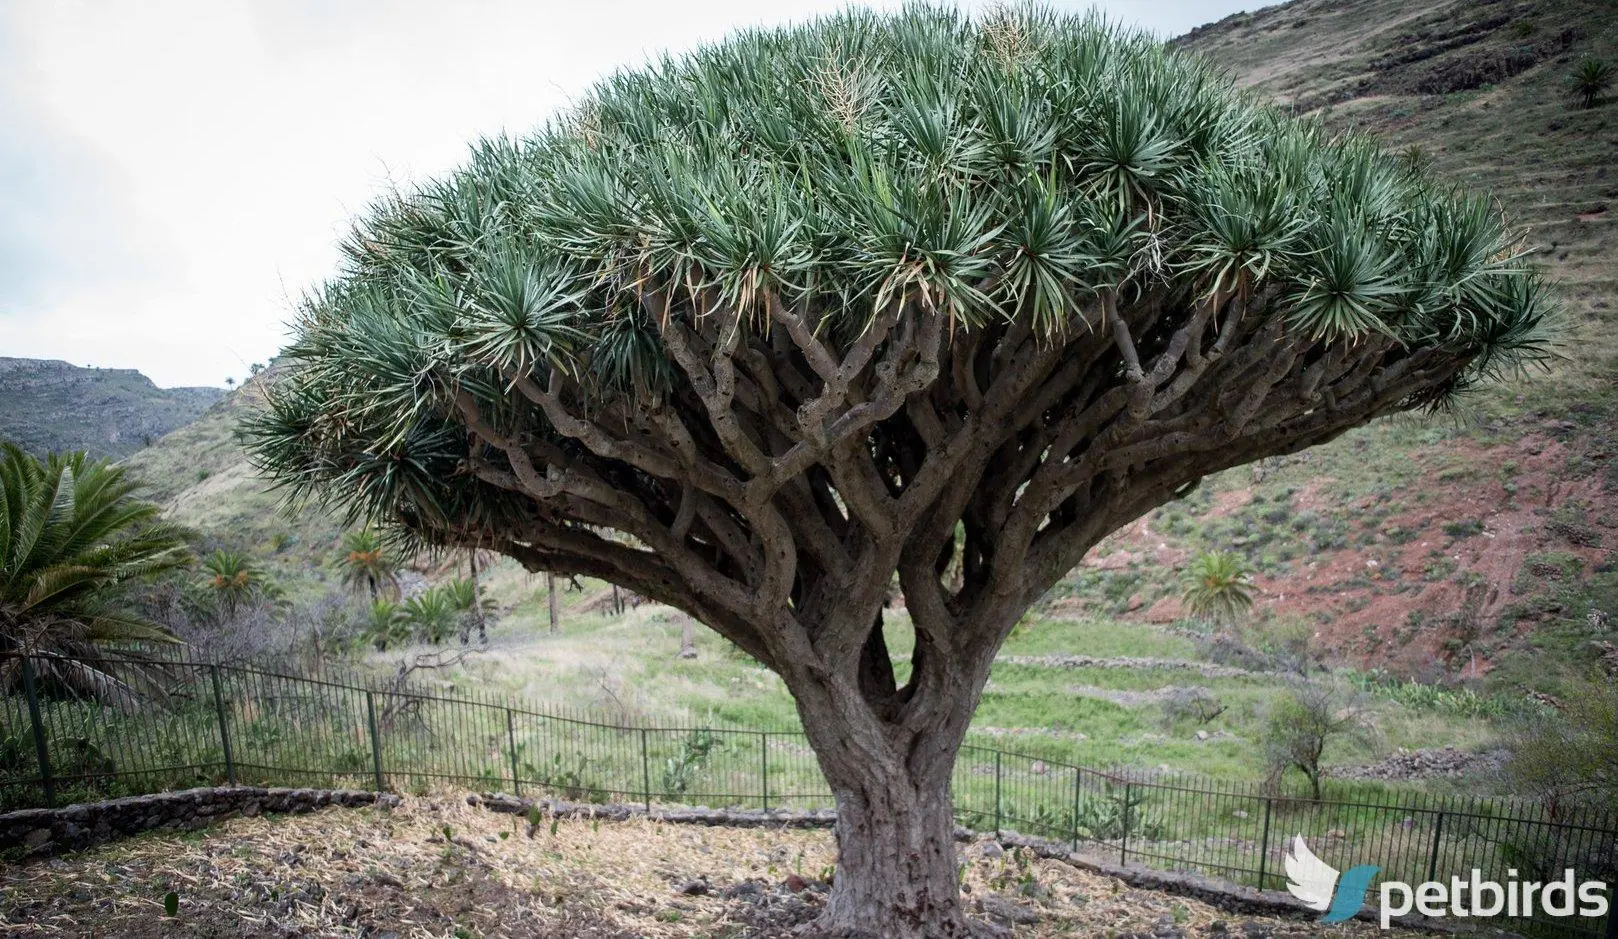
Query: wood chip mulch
{"type": "Point", "coordinates": [438, 867]}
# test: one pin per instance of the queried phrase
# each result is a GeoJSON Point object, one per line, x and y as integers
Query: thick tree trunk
{"type": "Point", "coordinates": [896, 868]}
{"type": "Point", "coordinates": [888, 754]}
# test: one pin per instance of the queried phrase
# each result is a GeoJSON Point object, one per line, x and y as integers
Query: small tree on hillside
{"type": "Point", "coordinates": [752, 331]}
{"type": "Point", "coordinates": [367, 565]}
{"type": "Point", "coordinates": [1590, 80]}
{"type": "Point", "coordinates": [1310, 717]}
{"type": "Point", "coordinates": [385, 624]}
{"type": "Point", "coordinates": [432, 614]}
{"type": "Point", "coordinates": [233, 581]}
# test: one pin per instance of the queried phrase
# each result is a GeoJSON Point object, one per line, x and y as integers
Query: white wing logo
{"type": "Point", "coordinates": [1309, 878]}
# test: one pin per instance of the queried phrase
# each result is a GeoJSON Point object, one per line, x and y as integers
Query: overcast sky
{"type": "Point", "coordinates": [174, 174]}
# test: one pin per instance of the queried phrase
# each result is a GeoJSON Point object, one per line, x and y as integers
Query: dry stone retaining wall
{"type": "Point", "coordinates": [40, 832]}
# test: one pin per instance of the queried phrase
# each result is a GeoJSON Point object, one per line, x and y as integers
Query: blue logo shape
{"type": "Point", "coordinates": [1350, 894]}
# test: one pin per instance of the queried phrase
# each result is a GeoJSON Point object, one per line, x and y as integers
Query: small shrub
{"type": "Point", "coordinates": [1102, 815]}
{"type": "Point", "coordinates": [1571, 756]}
{"type": "Point", "coordinates": [432, 615]}
{"type": "Point", "coordinates": [1548, 566]}
{"type": "Point", "coordinates": [1304, 722]}
{"type": "Point", "coordinates": [1191, 704]}
{"type": "Point", "coordinates": [385, 625]}
{"type": "Point", "coordinates": [682, 770]}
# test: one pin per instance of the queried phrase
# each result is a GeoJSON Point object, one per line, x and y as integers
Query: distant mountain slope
{"type": "Point", "coordinates": [1479, 89]}
{"type": "Point", "coordinates": [1479, 543]}
{"type": "Point", "coordinates": [49, 405]}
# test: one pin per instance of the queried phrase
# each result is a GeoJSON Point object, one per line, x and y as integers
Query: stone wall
{"type": "Point", "coordinates": [40, 832]}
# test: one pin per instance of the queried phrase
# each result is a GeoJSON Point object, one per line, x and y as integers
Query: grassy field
{"type": "Point", "coordinates": [629, 668]}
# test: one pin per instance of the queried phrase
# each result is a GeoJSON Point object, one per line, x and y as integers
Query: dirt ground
{"type": "Point", "coordinates": [437, 867]}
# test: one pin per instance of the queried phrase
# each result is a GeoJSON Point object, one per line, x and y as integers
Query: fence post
{"type": "Point", "coordinates": [1432, 859]}
{"type": "Point", "coordinates": [224, 724]}
{"type": "Point", "coordinates": [511, 746]}
{"type": "Point", "coordinates": [1264, 844]}
{"type": "Point", "coordinates": [1123, 844]}
{"type": "Point", "coordinates": [1078, 778]}
{"type": "Point", "coordinates": [376, 739]}
{"type": "Point", "coordinates": [41, 750]}
{"type": "Point", "coordinates": [997, 793]}
{"type": "Point", "coordinates": [645, 771]}
{"type": "Point", "coordinates": [764, 767]}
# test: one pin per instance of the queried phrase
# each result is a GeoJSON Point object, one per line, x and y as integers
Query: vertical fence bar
{"type": "Point", "coordinates": [1078, 779]}
{"type": "Point", "coordinates": [645, 771]}
{"type": "Point", "coordinates": [1264, 842]}
{"type": "Point", "coordinates": [376, 739]}
{"type": "Point", "coordinates": [41, 749]}
{"type": "Point", "coordinates": [997, 793]}
{"type": "Point", "coordinates": [511, 745]}
{"type": "Point", "coordinates": [224, 724]}
{"type": "Point", "coordinates": [1123, 843]}
{"type": "Point", "coordinates": [764, 768]}
{"type": "Point", "coordinates": [1432, 858]}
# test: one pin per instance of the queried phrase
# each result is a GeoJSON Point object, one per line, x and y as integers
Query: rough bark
{"type": "Point", "coordinates": [896, 859]}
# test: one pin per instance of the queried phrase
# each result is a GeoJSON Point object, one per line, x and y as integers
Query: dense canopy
{"type": "Point", "coordinates": [1024, 167]}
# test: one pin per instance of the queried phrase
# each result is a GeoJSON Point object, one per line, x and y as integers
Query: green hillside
{"type": "Point", "coordinates": [202, 476]}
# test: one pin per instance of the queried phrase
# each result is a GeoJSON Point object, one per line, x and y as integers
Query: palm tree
{"type": "Point", "coordinates": [233, 581]}
{"type": "Point", "coordinates": [1591, 79]}
{"type": "Point", "coordinates": [431, 614]}
{"type": "Point", "coordinates": [1217, 585]}
{"type": "Point", "coordinates": [71, 534]}
{"type": "Point", "coordinates": [472, 607]}
{"type": "Point", "coordinates": [366, 565]}
{"type": "Point", "coordinates": [385, 624]}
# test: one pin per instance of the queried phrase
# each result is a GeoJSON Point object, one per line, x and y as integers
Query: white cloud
{"type": "Point", "coordinates": [181, 170]}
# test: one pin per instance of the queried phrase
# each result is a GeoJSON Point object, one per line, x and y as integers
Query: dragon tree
{"type": "Point", "coordinates": [758, 330]}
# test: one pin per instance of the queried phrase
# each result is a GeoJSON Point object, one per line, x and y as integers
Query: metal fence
{"type": "Point", "coordinates": [71, 732]}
